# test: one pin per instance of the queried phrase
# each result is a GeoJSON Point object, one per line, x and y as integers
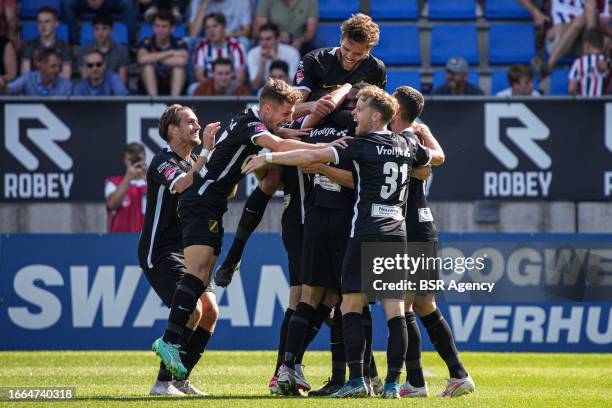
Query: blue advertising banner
{"type": "Point", "coordinates": [551, 293]}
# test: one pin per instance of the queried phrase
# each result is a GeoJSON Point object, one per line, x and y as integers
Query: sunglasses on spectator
{"type": "Point", "coordinates": [94, 64]}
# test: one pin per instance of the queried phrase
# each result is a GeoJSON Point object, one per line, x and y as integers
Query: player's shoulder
{"type": "Point", "coordinates": [247, 120]}
{"type": "Point", "coordinates": [321, 55]}
{"type": "Point", "coordinates": [377, 62]}
{"type": "Point", "coordinates": [409, 136]}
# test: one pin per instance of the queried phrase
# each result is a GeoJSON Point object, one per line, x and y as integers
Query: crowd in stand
{"type": "Point", "coordinates": [226, 49]}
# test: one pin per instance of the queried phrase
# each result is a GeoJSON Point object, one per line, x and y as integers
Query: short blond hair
{"type": "Point", "coordinates": [362, 29]}
{"type": "Point", "coordinates": [279, 91]}
{"type": "Point", "coordinates": [380, 101]}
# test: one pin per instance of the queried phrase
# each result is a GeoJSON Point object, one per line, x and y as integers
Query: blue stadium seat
{"type": "Point", "coordinates": [452, 9]}
{"type": "Point", "coordinates": [439, 77]}
{"type": "Point", "coordinates": [499, 81]}
{"type": "Point", "coordinates": [452, 41]}
{"type": "Point", "coordinates": [30, 31]}
{"type": "Point", "coordinates": [146, 30]}
{"type": "Point", "coordinates": [505, 10]}
{"type": "Point", "coordinates": [337, 9]}
{"type": "Point", "coordinates": [394, 10]}
{"type": "Point", "coordinates": [29, 7]}
{"type": "Point", "coordinates": [399, 45]}
{"type": "Point", "coordinates": [559, 81]}
{"type": "Point", "coordinates": [328, 35]}
{"type": "Point", "coordinates": [120, 34]}
{"type": "Point", "coordinates": [397, 78]}
{"type": "Point", "coordinates": [510, 44]}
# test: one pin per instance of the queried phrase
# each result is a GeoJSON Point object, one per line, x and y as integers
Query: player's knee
{"type": "Point", "coordinates": [197, 312]}
{"type": "Point", "coordinates": [311, 295]}
{"type": "Point", "coordinates": [424, 307]}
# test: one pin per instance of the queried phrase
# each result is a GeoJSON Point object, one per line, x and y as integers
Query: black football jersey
{"type": "Point", "coordinates": [382, 163]}
{"type": "Point", "coordinates": [161, 233]}
{"type": "Point", "coordinates": [294, 188]}
{"type": "Point", "coordinates": [420, 226]}
{"type": "Point", "coordinates": [236, 145]}
{"type": "Point", "coordinates": [321, 70]}
{"type": "Point", "coordinates": [325, 192]}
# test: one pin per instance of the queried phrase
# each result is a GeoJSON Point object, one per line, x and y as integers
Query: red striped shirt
{"type": "Point", "coordinates": [205, 54]}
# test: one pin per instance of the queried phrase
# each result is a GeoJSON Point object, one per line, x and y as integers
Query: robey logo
{"type": "Point", "coordinates": [38, 185]}
{"type": "Point", "coordinates": [525, 138]}
{"type": "Point", "coordinates": [136, 115]}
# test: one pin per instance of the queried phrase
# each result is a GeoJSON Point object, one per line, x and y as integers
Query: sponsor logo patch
{"type": "Point", "coordinates": [387, 211]}
{"type": "Point", "coordinates": [299, 77]}
{"type": "Point", "coordinates": [425, 215]}
{"type": "Point", "coordinates": [261, 128]}
{"type": "Point", "coordinates": [169, 173]}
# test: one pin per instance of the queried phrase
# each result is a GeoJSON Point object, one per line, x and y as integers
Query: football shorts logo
{"type": "Point", "coordinates": [299, 77]}
{"type": "Point", "coordinates": [169, 173]}
{"type": "Point", "coordinates": [213, 226]}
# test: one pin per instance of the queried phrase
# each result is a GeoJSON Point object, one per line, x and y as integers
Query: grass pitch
{"type": "Point", "coordinates": [239, 379]}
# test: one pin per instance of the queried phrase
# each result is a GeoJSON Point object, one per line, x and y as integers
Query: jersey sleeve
{"type": "Point", "coordinates": [165, 172]}
{"type": "Point", "coordinates": [308, 74]}
{"type": "Point", "coordinates": [422, 155]}
{"type": "Point", "coordinates": [380, 76]}
{"type": "Point", "coordinates": [351, 152]}
{"type": "Point", "coordinates": [253, 130]}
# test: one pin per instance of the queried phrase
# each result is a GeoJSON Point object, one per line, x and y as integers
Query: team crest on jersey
{"type": "Point", "coordinates": [169, 173]}
{"type": "Point", "coordinates": [299, 77]}
{"type": "Point", "coordinates": [213, 226]}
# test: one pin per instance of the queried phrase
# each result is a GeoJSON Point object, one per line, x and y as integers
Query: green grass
{"type": "Point", "coordinates": [239, 379]}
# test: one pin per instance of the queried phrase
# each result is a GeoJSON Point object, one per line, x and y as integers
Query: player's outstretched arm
{"type": "Point", "coordinates": [423, 132]}
{"type": "Point", "coordinates": [340, 176]}
{"type": "Point", "coordinates": [292, 158]}
{"type": "Point", "coordinates": [336, 97]}
{"type": "Point", "coordinates": [277, 144]}
{"type": "Point", "coordinates": [421, 172]}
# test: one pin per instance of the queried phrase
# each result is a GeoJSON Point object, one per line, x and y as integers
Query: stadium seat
{"type": "Point", "coordinates": [511, 44]}
{"type": "Point", "coordinates": [559, 81]}
{"type": "Point", "coordinates": [452, 9]}
{"type": "Point", "coordinates": [439, 77]}
{"type": "Point", "coordinates": [120, 34]}
{"type": "Point", "coordinates": [328, 35]}
{"type": "Point", "coordinates": [146, 30]}
{"type": "Point", "coordinates": [499, 81]}
{"type": "Point", "coordinates": [408, 53]}
{"type": "Point", "coordinates": [397, 78]}
{"type": "Point", "coordinates": [394, 10]}
{"type": "Point", "coordinates": [337, 10]}
{"type": "Point", "coordinates": [452, 41]}
{"type": "Point", "coordinates": [30, 31]}
{"type": "Point", "coordinates": [505, 10]}
{"type": "Point", "coordinates": [29, 7]}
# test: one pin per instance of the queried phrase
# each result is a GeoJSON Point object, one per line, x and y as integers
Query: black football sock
{"type": "Point", "coordinates": [337, 348]}
{"type": "Point", "coordinates": [188, 291]}
{"type": "Point", "coordinates": [354, 343]}
{"type": "Point", "coordinates": [298, 324]}
{"type": "Point", "coordinates": [414, 367]}
{"type": "Point", "coordinates": [397, 343]}
{"type": "Point", "coordinates": [163, 374]}
{"type": "Point", "coordinates": [442, 339]}
{"type": "Point", "coordinates": [253, 212]}
{"type": "Point", "coordinates": [282, 340]}
{"type": "Point", "coordinates": [373, 369]}
{"type": "Point", "coordinates": [366, 321]}
{"type": "Point", "coordinates": [320, 315]}
{"type": "Point", "coordinates": [194, 348]}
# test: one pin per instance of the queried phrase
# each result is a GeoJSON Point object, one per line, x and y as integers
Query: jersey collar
{"type": "Point", "coordinates": [255, 110]}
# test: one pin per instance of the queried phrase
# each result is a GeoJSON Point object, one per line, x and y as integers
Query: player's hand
{"type": "Point", "coordinates": [421, 172]}
{"type": "Point", "coordinates": [316, 168]}
{"type": "Point", "coordinates": [420, 129]}
{"type": "Point", "coordinates": [295, 134]}
{"type": "Point", "coordinates": [210, 131]}
{"type": "Point", "coordinates": [255, 163]}
{"type": "Point", "coordinates": [324, 106]}
{"type": "Point", "coordinates": [342, 142]}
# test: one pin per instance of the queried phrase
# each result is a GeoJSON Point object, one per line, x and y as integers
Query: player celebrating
{"type": "Point", "coordinates": [160, 251]}
{"type": "Point", "coordinates": [421, 229]}
{"type": "Point", "coordinates": [201, 208]}
{"type": "Point", "coordinates": [379, 157]}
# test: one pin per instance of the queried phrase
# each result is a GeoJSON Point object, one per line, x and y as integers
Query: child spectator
{"type": "Point", "coordinates": [520, 78]}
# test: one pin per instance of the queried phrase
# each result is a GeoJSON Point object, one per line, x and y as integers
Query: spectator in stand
{"type": "Point", "coordinates": [177, 7]}
{"type": "Point", "coordinates": [48, 22]}
{"type": "Point", "coordinates": [8, 68]}
{"type": "Point", "coordinates": [98, 81]}
{"type": "Point", "coordinates": [237, 15]}
{"type": "Point", "coordinates": [46, 81]}
{"type": "Point", "coordinates": [268, 50]}
{"type": "Point", "coordinates": [457, 80]}
{"type": "Point", "coordinates": [588, 72]}
{"type": "Point", "coordinates": [278, 70]}
{"type": "Point", "coordinates": [126, 195]}
{"type": "Point", "coordinates": [217, 45]}
{"type": "Point", "coordinates": [9, 23]}
{"type": "Point", "coordinates": [116, 56]}
{"type": "Point", "coordinates": [74, 9]}
{"type": "Point", "coordinates": [223, 82]}
{"type": "Point", "coordinates": [570, 19]}
{"type": "Point", "coordinates": [163, 58]}
{"type": "Point", "coordinates": [297, 20]}
{"type": "Point", "coordinates": [520, 78]}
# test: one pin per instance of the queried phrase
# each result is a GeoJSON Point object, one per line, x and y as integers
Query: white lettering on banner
{"type": "Point", "coordinates": [152, 309]}
{"type": "Point", "coordinates": [38, 185]}
{"type": "Point", "coordinates": [45, 138]}
{"type": "Point", "coordinates": [528, 275]}
{"type": "Point", "coordinates": [592, 327]}
{"type": "Point", "coordinates": [608, 183]}
{"type": "Point", "coordinates": [557, 322]}
{"type": "Point", "coordinates": [135, 113]}
{"type": "Point", "coordinates": [517, 184]}
{"type": "Point", "coordinates": [528, 319]}
{"type": "Point", "coordinates": [115, 305]}
{"type": "Point", "coordinates": [273, 287]}
{"type": "Point", "coordinates": [25, 287]}
{"type": "Point", "coordinates": [462, 328]}
{"type": "Point", "coordinates": [563, 263]}
{"type": "Point", "coordinates": [523, 137]}
{"type": "Point", "coordinates": [599, 268]}
{"type": "Point", "coordinates": [608, 127]}
{"type": "Point", "coordinates": [494, 319]}
{"type": "Point", "coordinates": [236, 310]}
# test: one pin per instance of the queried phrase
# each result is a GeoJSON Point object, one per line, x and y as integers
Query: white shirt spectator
{"type": "Point", "coordinates": [284, 52]}
{"type": "Point", "coordinates": [564, 11]}
{"type": "Point", "coordinates": [236, 12]}
{"type": "Point", "coordinates": [508, 92]}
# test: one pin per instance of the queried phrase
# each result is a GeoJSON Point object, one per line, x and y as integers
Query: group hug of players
{"type": "Point", "coordinates": [352, 163]}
